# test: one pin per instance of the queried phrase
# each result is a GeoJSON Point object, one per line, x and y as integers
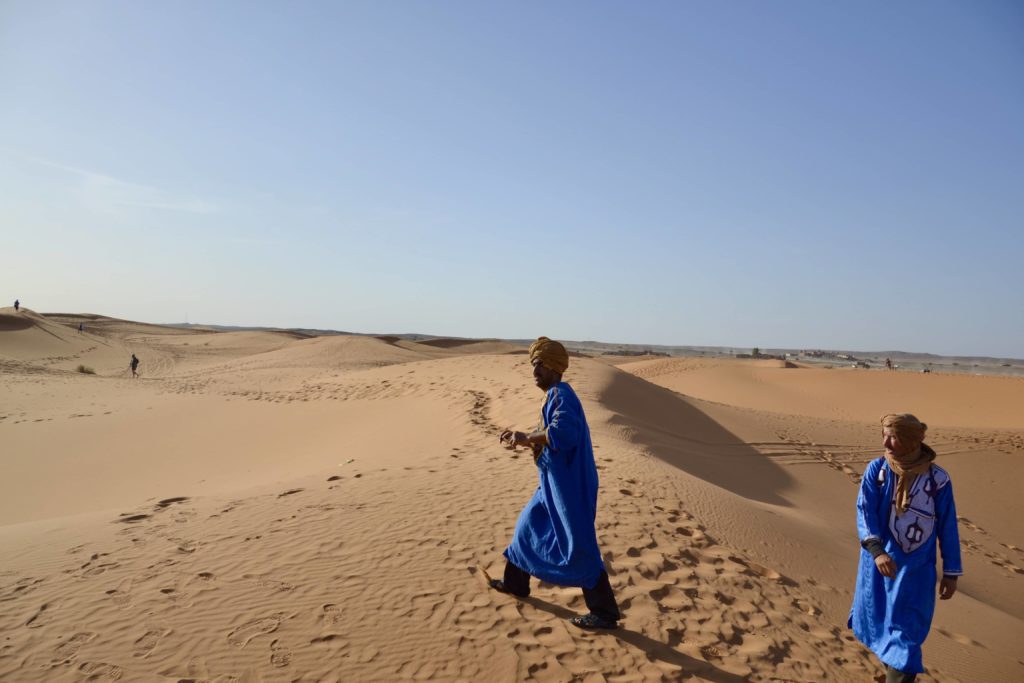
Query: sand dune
{"type": "Point", "coordinates": [467, 346]}
{"type": "Point", "coordinates": [30, 336]}
{"type": "Point", "coordinates": [265, 507]}
{"type": "Point", "coordinates": [844, 393]}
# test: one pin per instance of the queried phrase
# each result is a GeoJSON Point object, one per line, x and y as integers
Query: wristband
{"type": "Point", "coordinates": [873, 546]}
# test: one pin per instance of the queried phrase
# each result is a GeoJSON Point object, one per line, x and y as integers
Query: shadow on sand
{"type": "Point", "coordinates": [675, 431]}
{"type": "Point", "coordinates": [652, 649]}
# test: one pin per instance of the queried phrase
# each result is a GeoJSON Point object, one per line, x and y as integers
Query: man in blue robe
{"type": "Point", "coordinates": [904, 508]}
{"type": "Point", "coordinates": [555, 539]}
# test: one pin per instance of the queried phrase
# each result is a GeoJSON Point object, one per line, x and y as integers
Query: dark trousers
{"type": "Point", "coordinates": [600, 599]}
{"type": "Point", "coordinates": [896, 676]}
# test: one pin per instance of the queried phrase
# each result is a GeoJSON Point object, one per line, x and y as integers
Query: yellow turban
{"type": "Point", "coordinates": [552, 355]}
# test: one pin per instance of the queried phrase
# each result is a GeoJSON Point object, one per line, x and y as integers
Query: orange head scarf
{"type": "Point", "coordinates": [551, 354]}
{"type": "Point", "coordinates": [917, 461]}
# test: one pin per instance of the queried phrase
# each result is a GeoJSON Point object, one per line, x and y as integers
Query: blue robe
{"type": "Point", "coordinates": [555, 538]}
{"type": "Point", "coordinates": [892, 616]}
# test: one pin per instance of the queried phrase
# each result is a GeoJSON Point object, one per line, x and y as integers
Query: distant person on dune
{"type": "Point", "coordinates": [888, 364]}
{"type": "Point", "coordinates": [555, 539]}
{"type": "Point", "coordinates": [79, 328]}
{"type": "Point", "coordinates": [17, 305]}
{"type": "Point", "coordinates": [134, 366]}
{"type": "Point", "coordinates": [904, 509]}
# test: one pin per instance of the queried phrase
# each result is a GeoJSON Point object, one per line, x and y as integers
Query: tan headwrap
{"type": "Point", "coordinates": [911, 433]}
{"type": "Point", "coordinates": [552, 355]}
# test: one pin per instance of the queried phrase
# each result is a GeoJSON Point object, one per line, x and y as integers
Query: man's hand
{"type": "Point", "coordinates": [947, 587]}
{"type": "Point", "coordinates": [510, 439]}
{"type": "Point", "coordinates": [886, 566]}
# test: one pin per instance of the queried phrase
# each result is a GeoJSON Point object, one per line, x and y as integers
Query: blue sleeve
{"type": "Point", "coordinates": [868, 523]}
{"type": "Point", "coordinates": [563, 423]}
{"type": "Point", "coordinates": [949, 535]}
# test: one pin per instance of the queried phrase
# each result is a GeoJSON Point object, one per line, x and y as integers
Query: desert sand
{"type": "Point", "coordinates": [266, 506]}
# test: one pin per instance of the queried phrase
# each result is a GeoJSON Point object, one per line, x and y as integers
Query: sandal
{"type": "Point", "coordinates": [592, 621]}
{"type": "Point", "coordinates": [499, 585]}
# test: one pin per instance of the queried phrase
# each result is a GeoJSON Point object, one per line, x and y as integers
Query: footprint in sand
{"type": "Point", "coordinates": [98, 671]}
{"type": "Point", "coordinates": [1003, 563]}
{"type": "Point", "coordinates": [20, 588]}
{"type": "Point", "coordinates": [556, 639]}
{"type": "Point", "coordinates": [805, 607]}
{"type": "Point", "coordinates": [712, 652]}
{"type": "Point", "coordinates": [68, 650]}
{"type": "Point", "coordinates": [972, 526]}
{"type": "Point", "coordinates": [960, 638]}
{"type": "Point", "coordinates": [99, 569]}
{"type": "Point", "coordinates": [760, 570]}
{"type": "Point", "coordinates": [187, 547]}
{"type": "Point", "coordinates": [265, 582]}
{"type": "Point", "coordinates": [93, 560]}
{"type": "Point", "coordinates": [241, 636]}
{"type": "Point", "coordinates": [330, 615]}
{"type": "Point", "coordinates": [166, 502]}
{"type": "Point", "coordinates": [724, 599]}
{"type": "Point", "coordinates": [147, 642]}
{"type": "Point", "coordinates": [121, 595]}
{"type": "Point", "coordinates": [280, 656]}
{"type": "Point", "coordinates": [131, 519]}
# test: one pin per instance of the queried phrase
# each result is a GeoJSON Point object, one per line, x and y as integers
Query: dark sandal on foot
{"type": "Point", "coordinates": [499, 585]}
{"type": "Point", "coordinates": [592, 621]}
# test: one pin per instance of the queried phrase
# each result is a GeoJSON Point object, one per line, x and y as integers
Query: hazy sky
{"type": "Point", "coordinates": [798, 174]}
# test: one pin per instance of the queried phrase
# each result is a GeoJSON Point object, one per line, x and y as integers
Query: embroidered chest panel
{"type": "Point", "coordinates": [916, 526]}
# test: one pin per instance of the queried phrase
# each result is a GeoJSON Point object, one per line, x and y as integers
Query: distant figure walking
{"type": "Point", "coordinates": [135, 366]}
{"type": "Point", "coordinates": [79, 328]}
{"type": "Point", "coordinates": [17, 305]}
{"type": "Point", "coordinates": [888, 364]}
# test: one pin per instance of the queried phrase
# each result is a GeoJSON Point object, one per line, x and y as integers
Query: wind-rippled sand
{"type": "Point", "coordinates": [264, 506]}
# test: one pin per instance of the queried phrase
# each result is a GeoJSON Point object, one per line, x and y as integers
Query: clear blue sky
{"type": "Point", "coordinates": [797, 174]}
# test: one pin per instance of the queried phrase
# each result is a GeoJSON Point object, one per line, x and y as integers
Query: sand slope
{"type": "Point", "coordinates": [264, 507]}
{"type": "Point", "coordinates": [843, 393]}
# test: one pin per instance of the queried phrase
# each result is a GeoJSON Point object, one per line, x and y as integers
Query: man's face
{"type": "Point", "coordinates": [544, 377]}
{"type": "Point", "coordinates": [893, 445]}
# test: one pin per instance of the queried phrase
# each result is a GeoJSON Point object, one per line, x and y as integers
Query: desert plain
{"type": "Point", "coordinates": [271, 506]}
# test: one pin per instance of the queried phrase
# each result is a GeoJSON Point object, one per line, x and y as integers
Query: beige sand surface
{"type": "Point", "coordinates": [262, 506]}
